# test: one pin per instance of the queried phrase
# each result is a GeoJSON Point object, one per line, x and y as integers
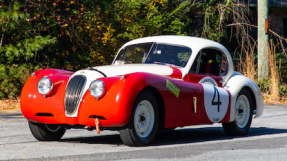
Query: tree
{"type": "Point", "coordinates": [18, 46]}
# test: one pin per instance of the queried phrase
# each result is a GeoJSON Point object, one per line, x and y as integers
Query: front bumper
{"type": "Point", "coordinates": [112, 110]}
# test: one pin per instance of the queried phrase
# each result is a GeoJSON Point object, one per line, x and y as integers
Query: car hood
{"type": "Point", "coordinates": [113, 70]}
{"type": "Point", "coordinates": [116, 70]}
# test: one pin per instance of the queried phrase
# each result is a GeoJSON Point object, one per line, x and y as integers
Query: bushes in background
{"type": "Point", "coordinates": [19, 45]}
{"type": "Point", "coordinates": [71, 35]}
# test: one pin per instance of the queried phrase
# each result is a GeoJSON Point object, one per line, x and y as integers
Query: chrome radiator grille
{"type": "Point", "coordinates": [73, 93]}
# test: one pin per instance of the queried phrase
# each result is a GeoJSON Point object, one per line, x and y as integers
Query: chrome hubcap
{"type": "Point", "coordinates": [144, 119]}
{"type": "Point", "coordinates": [242, 111]}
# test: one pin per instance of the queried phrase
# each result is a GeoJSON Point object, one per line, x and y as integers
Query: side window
{"type": "Point", "coordinates": [210, 62]}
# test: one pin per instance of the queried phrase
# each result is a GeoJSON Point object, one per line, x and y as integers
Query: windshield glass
{"type": "Point", "coordinates": [151, 53]}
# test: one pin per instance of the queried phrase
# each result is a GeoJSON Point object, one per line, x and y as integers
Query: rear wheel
{"type": "Point", "coordinates": [46, 132]}
{"type": "Point", "coordinates": [243, 115]}
{"type": "Point", "coordinates": [144, 121]}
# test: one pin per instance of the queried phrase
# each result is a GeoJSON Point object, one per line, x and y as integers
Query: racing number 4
{"type": "Point", "coordinates": [214, 100]}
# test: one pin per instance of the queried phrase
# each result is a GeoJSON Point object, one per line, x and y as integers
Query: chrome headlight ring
{"type": "Point", "coordinates": [45, 86]}
{"type": "Point", "coordinates": [97, 88]}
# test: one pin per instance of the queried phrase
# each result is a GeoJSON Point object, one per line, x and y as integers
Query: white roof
{"type": "Point", "coordinates": [195, 43]}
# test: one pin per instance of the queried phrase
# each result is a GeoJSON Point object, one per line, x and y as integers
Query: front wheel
{"type": "Point", "coordinates": [144, 123]}
{"type": "Point", "coordinates": [46, 132]}
{"type": "Point", "coordinates": [243, 115]}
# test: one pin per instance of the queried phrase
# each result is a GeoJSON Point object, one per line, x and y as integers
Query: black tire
{"type": "Point", "coordinates": [166, 131]}
{"type": "Point", "coordinates": [129, 135]}
{"type": "Point", "coordinates": [46, 132]}
{"type": "Point", "coordinates": [232, 128]}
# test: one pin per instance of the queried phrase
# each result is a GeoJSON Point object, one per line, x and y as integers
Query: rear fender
{"type": "Point", "coordinates": [235, 84]}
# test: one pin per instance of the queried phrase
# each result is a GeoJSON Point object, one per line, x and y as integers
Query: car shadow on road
{"type": "Point", "coordinates": [101, 139]}
{"type": "Point", "coordinates": [178, 136]}
{"type": "Point", "coordinates": [194, 135]}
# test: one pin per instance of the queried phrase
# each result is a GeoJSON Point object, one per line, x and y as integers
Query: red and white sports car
{"type": "Point", "coordinates": [153, 83]}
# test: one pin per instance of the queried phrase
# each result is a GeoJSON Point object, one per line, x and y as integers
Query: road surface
{"type": "Point", "coordinates": [267, 142]}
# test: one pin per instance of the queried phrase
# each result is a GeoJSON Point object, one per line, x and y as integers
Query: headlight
{"type": "Point", "coordinates": [97, 88]}
{"type": "Point", "coordinates": [45, 85]}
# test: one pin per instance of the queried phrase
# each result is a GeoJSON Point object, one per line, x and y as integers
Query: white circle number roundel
{"type": "Point", "coordinates": [216, 102]}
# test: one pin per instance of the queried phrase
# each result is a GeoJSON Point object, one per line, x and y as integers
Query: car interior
{"type": "Point", "coordinates": [210, 62]}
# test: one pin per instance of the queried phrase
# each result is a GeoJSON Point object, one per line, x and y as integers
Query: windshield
{"type": "Point", "coordinates": [152, 53]}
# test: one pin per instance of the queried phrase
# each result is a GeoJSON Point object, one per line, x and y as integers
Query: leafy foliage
{"type": "Point", "coordinates": [18, 47]}
{"type": "Point", "coordinates": [72, 34]}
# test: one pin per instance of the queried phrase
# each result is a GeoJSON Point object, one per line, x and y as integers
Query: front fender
{"type": "Point", "coordinates": [176, 108]}
{"type": "Point", "coordinates": [235, 84]}
{"type": "Point", "coordinates": [132, 85]}
{"type": "Point", "coordinates": [32, 102]}
{"type": "Point", "coordinates": [116, 106]}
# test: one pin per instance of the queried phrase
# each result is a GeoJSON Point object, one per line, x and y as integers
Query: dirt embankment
{"type": "Point", "coordinates": [9, 106]}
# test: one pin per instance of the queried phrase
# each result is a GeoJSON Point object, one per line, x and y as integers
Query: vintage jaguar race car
{"type": "Point", "coordinates": [154, 83]}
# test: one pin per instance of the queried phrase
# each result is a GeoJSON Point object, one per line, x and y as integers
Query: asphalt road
{"type": "Point", "coordinates": [267, 141]}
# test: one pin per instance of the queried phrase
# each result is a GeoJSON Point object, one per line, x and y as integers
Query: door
{"type": "Point", "coordinates": [208, 69]}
